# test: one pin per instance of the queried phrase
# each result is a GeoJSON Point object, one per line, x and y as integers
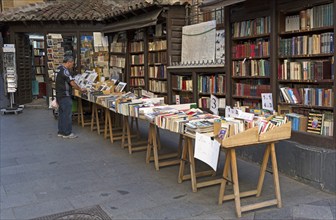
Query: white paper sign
{"type": "Point", "coordinates": [207, 150]}
{"type": "Point", "coordinates": [231, 112]}
{"type": "Point", "coordinates": [214, 104]}
{"type": "Point", "coordinates": [177, 99]}
{"type": "Point", "coordinates": [267, 101]}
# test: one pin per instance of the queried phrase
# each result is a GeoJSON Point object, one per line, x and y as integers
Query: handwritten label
{"type": "Point", "coordinates": [267, 101]}
{"type": "Point", "coordinates": [207, 150]}
{"type": "Point", "coordinates": [214, 104]}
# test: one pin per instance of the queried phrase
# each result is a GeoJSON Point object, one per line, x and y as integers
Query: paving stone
{"type": "Point", "coordinates": [333, 211]}
{"type": "Point", "coordinates": [90, 199]}
{"type": "Point", "coordinates": [28, 159]}
{"type": "Point", "coordinates": [40, 185]}
{"type": "Point", "coordinates": [41, 209]}
{"type": "Point", "coordinates": [2, 191]}
{"type": "Point", "coordinates": [7, 162]}
{"type": "Point", "coordinates": [6, 214]}
{"type": "Point", "coordinates": [282, 213]}
{"type": "Point", "coordinates": [12, 178]}
{"type": "Point", "coordinates": [312, 212]}
{"type": "Point", "coordinates": [17, 200]}
{"type": "Point", "coordinates": [124, 205]}
{"type": "Point", "coordinates": [176, 210]}
{"type": "Point", "coordinates": [325, 202]}
{"type": "Point", "coordinates": [132, 215]}
{"type": "Point", "coordinates": [61, 193]}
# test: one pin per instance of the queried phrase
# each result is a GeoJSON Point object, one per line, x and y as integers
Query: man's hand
{"type": "Point", "coordinates": [83, 90]}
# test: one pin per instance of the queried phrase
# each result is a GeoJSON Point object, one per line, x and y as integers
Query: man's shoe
{"type": "Point", "coordinates": [70, 136]}
{"type": "Point", "coordinates": [60, 135]}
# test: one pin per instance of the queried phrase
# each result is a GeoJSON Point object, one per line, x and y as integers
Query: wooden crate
{"type": "Point", "coordinates": [279, 133]}
{"type": "Point", "coordinates": [247, 137]}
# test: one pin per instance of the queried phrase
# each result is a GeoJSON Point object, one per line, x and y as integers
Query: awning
{"type": "Point", "coordinates": [140, 21]}
{"type": "Point", "coordinates": [208, 5]}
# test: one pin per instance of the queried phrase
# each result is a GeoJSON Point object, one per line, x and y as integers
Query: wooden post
{"type": "Point", "coordinates": [263, 170]}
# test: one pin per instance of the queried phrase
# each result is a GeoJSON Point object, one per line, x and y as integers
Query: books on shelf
{"type": "Point", "coordinates": [137, 46]}
{"type": "Point", "coordinates": [118, 47]}
{"type": "Point", "coordinates": [308, 96]}
{"type": "Point", "coordinates": [251, 68]}
{"type": "Point", "coordinates": [212, 84]}
{"type": "Point", "coordinates": [252, 89]}
{"type": "Point", "coordinates": [305, 70]}
{"type": "Point", "coordinates": [251, 48]}
{"type": "Point", "coordinates": [204, 102]}
{"type": "Point", "coordinates": [315, 17]}
{"type": "Point", "coordinates": [157, 57]}
{"type": "Point", "coordinates": [137, 82]}
{"type": "Point", "coordinates": [38, 44]}
{"type": "Point", "coordinates": [158, 86]}
{"type": "Point", "coordinates": [252, 27]}
{"type": "Point", "coordinates": [182, 83]}
{"type": "Point", "coordinates": [137, 59]}
{"type": "Point", "coordinates": [157, 45]}
{"type": "Point", "coordinates": [307, 44]}
{"type": "Point", "coordinates": [159, 71]}
{"type": "Point", "coordinates": [137, 71]}
{"type": "Point", "coordinates": [299, 121]}
{"type": "Point", "coordinates": [117, 61]}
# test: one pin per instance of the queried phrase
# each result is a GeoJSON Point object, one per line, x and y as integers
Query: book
{"type": "Point", "coordinates": [315, 123]}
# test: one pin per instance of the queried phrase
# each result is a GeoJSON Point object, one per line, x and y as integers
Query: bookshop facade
{"type": "Point", "coordinates": [190, 53]}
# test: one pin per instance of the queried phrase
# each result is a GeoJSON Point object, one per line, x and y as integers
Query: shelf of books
{"type": "Point", "coordinates": [39, 59]}
{"type": "Point", "coordinates": [306, 68]}
{"type": "Point", "coordinates": [137, 73]}
{"type": "Point", "coordinates": [118, 49]}
{"type": "Point", "coordinates": [251, 68]}
{"type": "Point", "coordinates": [211, 84]}
{"type": "Point", "coordinates": [157, 60]}
{"type": "Point", "coordinates": [182, 88]}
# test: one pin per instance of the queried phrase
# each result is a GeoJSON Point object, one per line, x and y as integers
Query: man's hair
{"type": "Point", "coordinates": [68, 59]}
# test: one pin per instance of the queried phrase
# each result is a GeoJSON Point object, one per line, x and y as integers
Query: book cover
{"type": "Point", "coordinates": [315, 123]}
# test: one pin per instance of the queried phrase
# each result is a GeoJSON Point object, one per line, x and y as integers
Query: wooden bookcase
{"type": "Point", "coordinates": [150, 49]}
{"type": "Point", "coordinates": [158, 59]}
{"type": "Point", "coordinates": [304, 58]}
{"type": "Point", "coordinates": [38, 59]}
{"type": "Point", "coordinates": [200, 83]}
{"type": "Point", "coordinates": [137, 60]}
{"type": "Point", "coordinates": [250, 40]}
{"type": "Point", "coordinates": [118, 49]}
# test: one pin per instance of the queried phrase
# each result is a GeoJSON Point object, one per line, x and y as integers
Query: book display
{"type": "Point", "coordinates": [251, 70]}
{"type": "Point", "coordinates": [10, 77]}
{"type": "Point", "coordinates": [306, 66]}
{"type": "Point", "coordinates": [86, 52]}
{"type": "Point", "coordinates": [55, 53]}
{"type": "Point", "coordinates": [101, 56]}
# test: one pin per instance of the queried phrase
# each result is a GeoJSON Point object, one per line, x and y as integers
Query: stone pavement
{"type": "Point", "coordinates": [42, 174]}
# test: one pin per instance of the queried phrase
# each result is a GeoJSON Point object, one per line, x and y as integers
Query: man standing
{"type": "Point", "coordinates": [64, 84]}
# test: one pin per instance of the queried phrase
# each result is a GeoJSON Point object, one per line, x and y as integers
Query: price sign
{"type": "Point", "coordinates": [267, 101]}
{"type": "Point", "coordinates": [214, 104]}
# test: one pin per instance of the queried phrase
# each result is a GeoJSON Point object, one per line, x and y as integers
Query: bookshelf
{"type": "Point", "coordinates": [38, 59]}
{"type": "Point", "coordinates": [250, 56]}
{"type": "Point", "coordinates": [196, 84]}
{"type": "Point", "coordinates": [305, 76]}
{"type": "Point", "coordinates": [158, 59]}
{"type": "Point", "coordinates": [138, 60]}
{"type": "Point", "coordinates": [118, 49]}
